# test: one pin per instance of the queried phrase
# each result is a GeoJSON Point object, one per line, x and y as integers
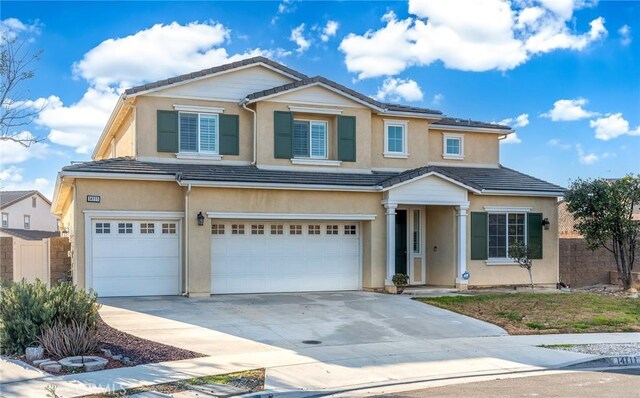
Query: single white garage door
{"type": "Point", "coordinates": [260, 257]}
{"type": "Point", "coordinates": [135, 257]}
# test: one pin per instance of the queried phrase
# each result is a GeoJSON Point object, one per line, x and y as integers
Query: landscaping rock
{"type": "Point", "coordinates": [117, 357]}
{"type": "Point", "coordinates": [52, 367]}
{"type": "Point", "coordinates": [97, 364]}
{"type": "Point", "coordinates": [37, 362]}
{"type": "Point", "coordinates": [34, 353]}
{"type": "Point", "coordinates": [89, 363]}
{"type": "Point", "coordinates": [43, 364]}
{"type": "Point", "coordinates": [107, 353]}
{"type": "Point", "coordinates": [72, 362]}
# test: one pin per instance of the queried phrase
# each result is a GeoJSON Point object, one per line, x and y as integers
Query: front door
{"type": "Point", "coordinates": [401, 242]}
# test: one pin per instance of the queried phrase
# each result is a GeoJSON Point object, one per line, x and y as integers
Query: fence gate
{"type": "Point", "coordinates": [31, 260]}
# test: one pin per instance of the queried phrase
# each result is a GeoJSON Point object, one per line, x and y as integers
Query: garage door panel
{"type": "Point", "coordinates": [135, 263]}
{"type": "Point", "coordinates": [286, 262]}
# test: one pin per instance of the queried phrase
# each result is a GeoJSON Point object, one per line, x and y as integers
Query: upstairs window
{"type": "Point", "coordinates": [395, 138]}
{"type": "Point", "coordinates": [453, 146]}
{"type": "Point", "coordinates": [5, 220]}
{"type": "Point", "coordinates": [27, 222]}
{"type": "Point", "coordinates": [199, 132]}
{"type": "Point", "coordinates": [34, 202]}
{"type": "Point", "coordinates": [310, 139]}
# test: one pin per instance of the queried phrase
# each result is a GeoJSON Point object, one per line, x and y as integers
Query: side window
{"type": "Point", "coordinates": [34, 202]}
{"type": "Point", "coordinates": [5, 220]}
{"type": "Point", "coordinates": [27, 221]}
{"type": "Point", "coordinates": [395, 138]}
{"type": "Point", "coordinates": [453, 146]}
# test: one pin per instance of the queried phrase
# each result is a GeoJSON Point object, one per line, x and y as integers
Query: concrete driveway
{"type": "Point", "coordinates": [240, 324]}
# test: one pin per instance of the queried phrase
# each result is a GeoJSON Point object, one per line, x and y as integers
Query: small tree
{"type": "Point", "coordinates": [521, 254]}
{"type": "Point", "coordinates": [603, 210]}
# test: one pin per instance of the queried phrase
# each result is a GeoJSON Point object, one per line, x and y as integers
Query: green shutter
{"type": "Point", "coordinates": [534, 234]}
{"type": "Point", "coordinates": [283, 135]}
{"type": "Point", "coordinates": [167, 131]}
{"type": "Point", "coordinates": [347, 138]}
{"type": "Point", "coordinates": [479, 242]}
{"type": "Point", "coordinates": [229, 135]}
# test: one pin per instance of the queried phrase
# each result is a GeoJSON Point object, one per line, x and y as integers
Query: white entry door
{"type": "Point", "coordinates": [135, 257]}
{"type": "Point", "coordinates": [278, 256]}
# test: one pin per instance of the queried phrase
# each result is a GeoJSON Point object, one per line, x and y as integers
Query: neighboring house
{"type": "Point", "coordinates": [27, 226]}
{"type": "Point", "coordinates": [27, 210]}
{"type": "Point", "coordinates": [252, 177]}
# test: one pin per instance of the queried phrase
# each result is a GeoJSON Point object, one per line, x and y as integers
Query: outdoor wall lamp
{"type": "Point", "coordinates": [546, 223]}
{"type": "Point", "coordinates": [200, 218]}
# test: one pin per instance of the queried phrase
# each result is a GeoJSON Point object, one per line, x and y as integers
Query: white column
{"type": "Point", "coordinates": [391, 242]}
{"type": "Point", "coordinates": [462, 244]}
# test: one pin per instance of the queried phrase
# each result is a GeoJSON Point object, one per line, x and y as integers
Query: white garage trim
{"type": "Point", "coordinates": [90, 215]}
{"type": "Point", "coordinates": [291, 216]}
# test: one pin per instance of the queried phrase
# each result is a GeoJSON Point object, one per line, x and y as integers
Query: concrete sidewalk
{"type": "Point", "coordinates": [303, 371]}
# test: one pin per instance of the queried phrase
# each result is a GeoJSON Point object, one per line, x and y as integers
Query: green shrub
{"type": "Point", "coordinates": [27, 308]}
{"type": "Point", "coordinates": [69, 339]}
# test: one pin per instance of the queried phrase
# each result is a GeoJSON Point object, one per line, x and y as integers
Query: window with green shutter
{"type": "Point", "coordinates": [347, 138]}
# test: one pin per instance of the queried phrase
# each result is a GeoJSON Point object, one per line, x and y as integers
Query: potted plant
{"type": "Point", "coordinates": [400, 281]}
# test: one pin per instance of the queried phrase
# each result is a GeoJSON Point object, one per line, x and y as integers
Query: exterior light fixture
{"type": "Point", "coordinates": [546, 223]}
{"type": "Point", "coordinates": [200, 218]}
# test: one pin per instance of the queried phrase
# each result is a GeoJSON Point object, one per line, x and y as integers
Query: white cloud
{"type": "Point", "coordinates": [297, 36]}
{"type": "Point", "coordinates": [554, 142]}
{"type": "Point", "coordinates": [399, 89]}
{"type": "Point", "coordinates": [518, 121]}
{"type": "Point", "coordinates": [585, 158]}
{"type": "Point", "coordinates": [12, 179]}
{"type": "Point", "coordinates": [568, 110]}
{"type": "Point", "coordinates": [612, 126]}
{"type": "Point", "coordinates": [11, 28]}
{"type": "Point", "coordinates": [511, 139]}
{"type": "Point", "coordinates": [467, 35]}
{"type": "Point", "coordinates": [437, 99]}
{"type": "Point", "coordinates": [329, 30]}
{"type": "Point", "coordinates": [625, 35]}
{"type": "Point", "coordinates": [13, 152]}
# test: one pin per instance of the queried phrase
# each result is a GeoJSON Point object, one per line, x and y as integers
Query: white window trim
{"type": "Point", "coordinates": [3, 218]}
{"type": "Point", "coordinates": [25, 218]}
{"type": "Point", "coordinates": [316, 162]}
{"type": "Point", "coordinates": [326, 140]}
{"type": "Point", "coordinates": [187, 154]}
{"type": "Point", "coordinates": [198, 156]}
{"type": "Point", "coordinates": [507, 260]}
{"type": "Point", "coordinates": [197, 109]}
{"type": "Point", "coordinates": [319, 111]}
{"type": "Point", "coordinates": [405, 147]}
{"type": "Point", "coordinates": [451, 156]}
{"type": "Point", "coordinates": [507, 209]}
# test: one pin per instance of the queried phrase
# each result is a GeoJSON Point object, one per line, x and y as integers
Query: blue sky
{"type": "Point", "coordinates": [564, 73]}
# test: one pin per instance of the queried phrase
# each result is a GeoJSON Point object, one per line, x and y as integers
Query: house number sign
{"type": "Point", "coordinates": [93, 198]}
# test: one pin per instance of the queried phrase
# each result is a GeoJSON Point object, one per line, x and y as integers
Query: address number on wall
{"type": "Point", "coordinates": [93, 198]}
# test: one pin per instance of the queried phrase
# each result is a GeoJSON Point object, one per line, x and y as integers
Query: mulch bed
{"type": "Point", "coordinates": [139, 351]}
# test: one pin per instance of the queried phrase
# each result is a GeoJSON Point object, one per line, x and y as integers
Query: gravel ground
{"type": "Point", "coordinates": [605, 349]}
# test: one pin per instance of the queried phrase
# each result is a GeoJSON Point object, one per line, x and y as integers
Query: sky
{"type": "Point", "coordinates": [565, 74]}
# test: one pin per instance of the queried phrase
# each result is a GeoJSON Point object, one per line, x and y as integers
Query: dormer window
{"type": "Point", "coordinates": [453, 146]}
{"type": "Point", "coordinates": [199, 132]}
{"type": "Point", "coordinates": [310, 139]}
{"type": "Point", "coordinates": [395, 139]}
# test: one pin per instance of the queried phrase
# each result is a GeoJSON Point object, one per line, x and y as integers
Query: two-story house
{"type": "Point", "coordinates": [252, 177]}
{"type": "Point", "coordinates": [26, 210]}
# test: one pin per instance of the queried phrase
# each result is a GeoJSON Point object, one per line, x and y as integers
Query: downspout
{"type": "Point", "coordinates": [186, 240]}
{"type": "Point", "coordinates": [255, 134]}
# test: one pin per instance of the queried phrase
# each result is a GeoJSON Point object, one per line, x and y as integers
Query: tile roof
{"type": "Point", "coordinates": [29, 234]}
{"type": "Point", "coordinates": [480, 179]}
{"type": "Point", "coordinates": [319, 79]}
{"type": "Point", "coordinates": [210, 71]}
{"type": "Point", "coordinates": [450, 121]}
{"type": "Point", "coordinates": [8, 198]}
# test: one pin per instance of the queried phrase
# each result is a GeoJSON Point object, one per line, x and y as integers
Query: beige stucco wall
{"type": "Point", "coordinates": [122, 142]}
{"type": "Point", "coordinates": [146, 126]}
{"type": "Point", "coordinates": [545, 270]}
{"type": "Point", "coordinates": [265, 145]}
{"type": "Point", "coordinates": [441, 234]}
{"type": "Point", "coordinates": [417, 141]}
{"type": "Point", "coordinates": [479, 148]}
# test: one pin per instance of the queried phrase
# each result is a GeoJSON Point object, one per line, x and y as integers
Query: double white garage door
{"type": "Point", "coordinates": [142, 257]}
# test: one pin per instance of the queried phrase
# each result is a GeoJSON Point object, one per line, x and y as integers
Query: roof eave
{"type": "Point", "coordinates": [107, 128]}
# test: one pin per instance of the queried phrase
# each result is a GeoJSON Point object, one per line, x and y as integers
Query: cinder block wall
{"type": "Point", "coordinates": [60, 262]}
{"type": "Point", "coordinates": [6, 258]}
{"type": "Point", "coordinates": [580, 266]}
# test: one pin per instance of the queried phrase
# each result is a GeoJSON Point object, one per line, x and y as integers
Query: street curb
{"type": "Point", "coordinates": [603, 361]}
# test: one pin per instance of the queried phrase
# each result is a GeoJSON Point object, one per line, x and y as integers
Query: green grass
{"type": "Point", "coordinates": [531, 313]}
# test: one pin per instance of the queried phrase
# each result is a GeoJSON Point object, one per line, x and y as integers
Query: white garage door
{"type": "Point", "coordinates": [258, 257]}
{"type": "Point", "coordinates": [135, 257]}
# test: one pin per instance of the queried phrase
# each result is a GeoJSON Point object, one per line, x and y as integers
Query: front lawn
{"type": "Point", "coordinates": [530, 313]}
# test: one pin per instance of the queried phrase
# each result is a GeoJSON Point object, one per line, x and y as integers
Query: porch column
{"type": "Point", "coordinates": [461, 283]}
{"type": "Point", "coordinates": [391, 242]}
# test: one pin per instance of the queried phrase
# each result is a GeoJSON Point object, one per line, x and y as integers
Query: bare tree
{"type": "Point", "coordinates": [521, 254]}
{"type": "Point", "coordinates": [16, 68]}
